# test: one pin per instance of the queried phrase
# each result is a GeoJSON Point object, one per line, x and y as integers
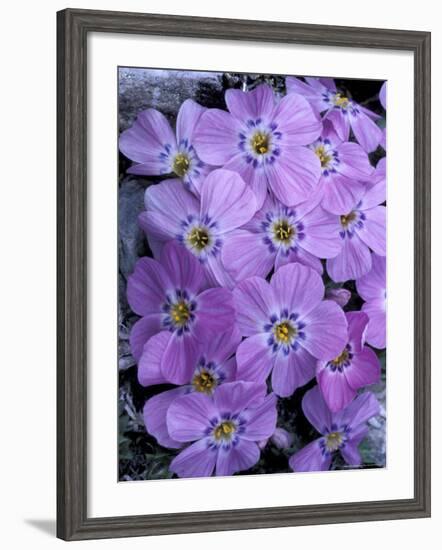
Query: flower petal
{"type": "Point", "coordinates": [354, 161]}
{"type": "Point", "coordinates": [376, 331]}
{"type": "Point", "coordinates": [146, 140]}
{"type": "Point", "coordinates": [143, 329]}
{"type": "Point", "coordinates": [179, 358]}
{"type": "Point", "coordinates": [353, 262]}
{"type": "Point", "coordinates": [188, 117]}
{"type": "Point", "coordinates": [364, 369]}
{"type": "Point", "coordinates": [310, 459]}
{"type": "Point", "coordinates": [366, 131]}
{"type": "Point", "coordinates": [234, 397]}
{"type": "Point", "coordinates": [245, 254]}
{"type": "Point", "coordinates": [227, 200]}
{"type": "Point", "coordinates": [296, 121]}
{"type": "Point", "coordinates": [184, 270]}
{"type": "Point", "coordinates": [236, 458]}
{"type": "Point", "coordinates": [341, 123]}
{"type": "Point", "coordinates": [167, 205]}
{"type": "Point", "coordinates": [189, 416]}
{"type": "Point", "coordinates": [258, 103]}
{"type": "Point", "coordinates": [335, 389]}
{"type": "Point", "coordinates": [364, 407]}
{"type": "Point", "coordinates": [372, 285]}
{"type": "Point", "coordinates": [325, 331]}
{"type": "Point", "coordinates": [321, 235]}
{"type": "Point", "coordinates": [147, 287]}
{"type": "Point", "coordinates": [261, 420]}
{"type": "Point", "coordinates": [154, 414]}
{"type": "Point", "coordinates": [294, 176]}
{"type": "Point", "coordinates": [254, 358]}
{"type": "Point", "coordinates": [373, 233]}
{"type": "Point", "coordinates": [316, 411]}
{"type": "Point", "coordinates": [149, 366]}
{"type": "Point", "coordinates": [215, 312]}
{"type": "Point", "coordinates": [255, 303]}
{"type": "Point", "coordinates": [341, 193]}
{"type": "Point", "coordinates": [298, 288]}
{"type": "Point", "coordinates": [357, 325]}
{"type": "Point", "coordinates": [292, 371]}
{"type": "Point", "coordinates": [216, 137]}
{"type": "Point", "coordinates": [198, 460]}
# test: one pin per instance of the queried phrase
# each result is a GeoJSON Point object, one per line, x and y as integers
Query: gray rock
{"type": "Point", "coordinates": [164, 90]}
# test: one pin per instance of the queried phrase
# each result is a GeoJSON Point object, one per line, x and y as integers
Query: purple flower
{"type": "Point", "coordinates": [362, 228]}
{"type": "Point", "coordinates": [340, 110]}
{"type": "Point", "coordinates": [170, 297]}
{"type": "Point", "coordinates": [371, 287]}
{"type": "Point", "coordinates": [287, 327]}
{"type": "Point", "coordinates": [339, 295]}
{"type": "Point", "coordinates": [356, 366]}
{"type": "Point", "coordinates": [345, 165]}
{"type": "Point", "coordinates": [215, 364]}
{"type": "Point", "coordinates": [264, 141]}
{"type": "Point", "coordinates": [342, 431]}
{"type": "Point", "coordinates": [278, 235]}
{"type": "Point", "coordinates": [224, 429]}
{"type": "Point", "coordinates": [152, 145]}
{"type": "Point", "coordinates": [200, 225]}
{"type": "Point", "coordinates": [282, 439]}
{"type": "Point", "coordinates": [383, 95]}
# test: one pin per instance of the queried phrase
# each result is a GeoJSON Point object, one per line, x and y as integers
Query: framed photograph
{"type": "Point", "coordinates": [243, 274]}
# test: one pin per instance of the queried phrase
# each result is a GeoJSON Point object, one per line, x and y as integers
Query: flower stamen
{"type": "Point", "coordinates": [198, 238]}
{"type": "Point", "coordinates": [284, 332]}
{"type": "Point", "coordinates": [180, 313]}
{"type": "Point", "coordinates": [347, 219]}
{"type": "Point", "coordinates": [181, 165]}
{"type": "Point", "coordinates": [224, 430]}
{"type": "Point", "coordinates": [260, 143]}
{"type": "Point", "coordinates": [283, 231]}
{"type": "Point", "coordinates": [324, 158]}
{"type": "Point", "coordinates": [340, 359]}
{"type": "Point", "coordinates": [333, 441]}
{"type": "Point", "coordinates": [341, 100]}
{"type": "Point", "coordinates": [204, 382]}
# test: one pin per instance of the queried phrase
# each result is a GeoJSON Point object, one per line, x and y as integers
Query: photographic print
{"type": "Point", "coordinates": [252, 273]}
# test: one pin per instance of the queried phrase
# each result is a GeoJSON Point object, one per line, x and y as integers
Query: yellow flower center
{"type": "Point", "coordinates": [340, 359]}
{"type": "Point", "coordinates": [284, 332]}
{"type": "Point", "coordinates": [283, 231]}
{"type": "Point", "coordinates": [181, 165]}
{"type": "Point", "coordinates": [225, 430]}
{"type": "Point", "coordinates": [324, 158]}
{"type": "Point", "coordinates": [198, 238]}
{"type": "Point", "coordinates": [204, 382]}
{"type": "Point", "coordinates": [180, 313]}
{"type": "Point", "coordinates": [341, 100]}
{"type": "Point", "coordinates": [260, 143]}
{"type": "Point", "coordinates": [347, 219]}
{"type": "Point", "coordinates": [333, 441]}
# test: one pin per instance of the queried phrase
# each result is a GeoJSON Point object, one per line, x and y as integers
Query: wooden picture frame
{"type": "Point", "coordinates": [73, 27]}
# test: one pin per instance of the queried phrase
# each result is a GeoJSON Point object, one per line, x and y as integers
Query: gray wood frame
{"type": "Point", "coordinates": [73, 27]}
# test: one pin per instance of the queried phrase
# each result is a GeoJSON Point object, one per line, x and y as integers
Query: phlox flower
{"type": "Point", "coordinates": [278, 235]}
{"type": "Point", "coordinates": [223, 428]}
{"type": "Point", "coordinates": [264, 140]}
{"type": "Point", "coordinates": [345, 166]}
{"type": "Point", "coordinates": [201, 225]}
{"type": "Point", "coordinates": [340, 432]}
{"type": "Point", "coordinates": [362, 228]}
{"type": "Point", "coordinates": [340, 110]}
{"type": "Point", "coordinates": [339, 295]}
{"type": "Point", "coordinates": [215, 364]}
{"type": "Point", "coordinates": [371, 288]}
{"type": "Point", "coordinates": [169, 295]}
{"type": "Point", "coordinates": [288, 326]}
{"type": "Point", "coordinates": [354, 367]}
{"type": "Point", "coordinates": [156, 150]}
